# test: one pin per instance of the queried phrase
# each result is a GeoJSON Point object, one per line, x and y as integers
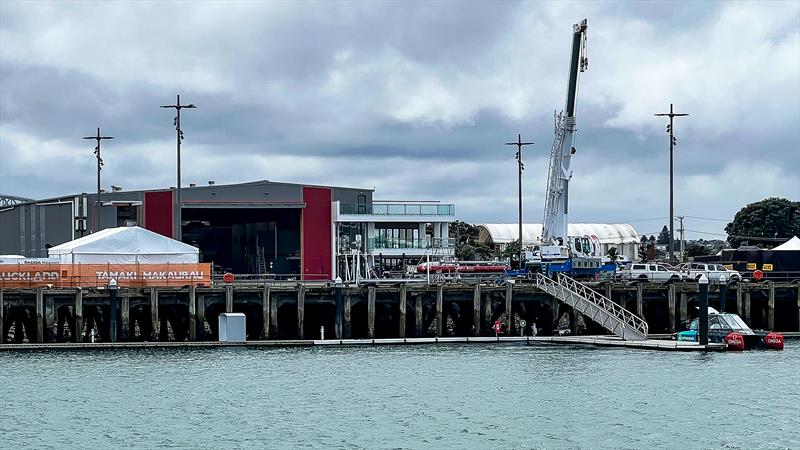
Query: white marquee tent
{"type": "Point", "coordinates": [125, 245]}
{"type": "Point", "coordinates": [791, 244]}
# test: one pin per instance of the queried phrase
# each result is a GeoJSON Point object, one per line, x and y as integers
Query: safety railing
{"type": "Point", "coordinates": [399, 209]}
{"type": "Point", "coordinates": [399, 243]}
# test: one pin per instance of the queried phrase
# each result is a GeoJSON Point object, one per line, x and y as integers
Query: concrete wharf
{"type": "Point", "coordinates": [279, 312]}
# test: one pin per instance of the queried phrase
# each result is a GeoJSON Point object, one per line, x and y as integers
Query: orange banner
{"type": "Point", "coordinates": [100, 275]}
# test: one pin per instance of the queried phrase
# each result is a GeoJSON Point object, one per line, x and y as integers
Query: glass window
{"type": "Point", "coordinates": [638, 267]}
{"type": "Point", "coordinates": [661, 269]}
{"type": "Point", "coordinates": [652, 268]}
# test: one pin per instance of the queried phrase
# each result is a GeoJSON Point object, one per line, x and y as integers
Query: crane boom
{"type": "Point", "coordinates": [554, 230]}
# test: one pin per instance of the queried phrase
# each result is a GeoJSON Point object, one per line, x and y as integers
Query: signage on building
{"type": "Point", "coordinates": [99, 275]}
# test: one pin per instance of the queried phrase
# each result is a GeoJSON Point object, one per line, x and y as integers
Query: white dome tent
{"type": "Point", "coordinates": [125, 245]}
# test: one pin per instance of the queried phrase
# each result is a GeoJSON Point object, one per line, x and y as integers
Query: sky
{"type": "Point", "coordinates": [413, 99]}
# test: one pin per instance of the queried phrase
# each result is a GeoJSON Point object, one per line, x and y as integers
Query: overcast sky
{"type": "Point", "coordinates": [414, 99]}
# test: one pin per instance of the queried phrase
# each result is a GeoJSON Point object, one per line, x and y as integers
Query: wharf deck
{"type": "Point", "coordinates": [602, 341]}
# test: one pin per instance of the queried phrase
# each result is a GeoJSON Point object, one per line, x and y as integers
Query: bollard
{"type": "Point", "coordinates": [322, 333]}
{"type": "Point", "coordinates": [723, 292]}
{"type": "Point", "coordinates": [703, 322]}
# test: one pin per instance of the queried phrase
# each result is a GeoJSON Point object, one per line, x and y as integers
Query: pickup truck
{"type": "Point", "coordinates": [714, 272]}
{"type": "Point", "coordinates": [648, 272]}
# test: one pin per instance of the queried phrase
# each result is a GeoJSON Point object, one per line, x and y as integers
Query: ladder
{"type": "Point", "coordinates": [611, 316]}
{"type": "Point", "coordinates": [261, 260]}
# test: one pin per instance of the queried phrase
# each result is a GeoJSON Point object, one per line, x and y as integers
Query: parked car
{"type": "Point", "coordinates": [648, 272]}
{"type": "Point", "coordinates": [714, 272]}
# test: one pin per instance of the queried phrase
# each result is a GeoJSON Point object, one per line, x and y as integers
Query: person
{"type": "Point", "coordinates": [534, 331]}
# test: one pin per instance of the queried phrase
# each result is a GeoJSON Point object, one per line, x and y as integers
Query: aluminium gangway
{"type": "Point", "coordinates": [601, 309]}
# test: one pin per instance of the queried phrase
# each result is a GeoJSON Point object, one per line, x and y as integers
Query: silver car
{"type": "Point", "coordinates": [648, 272]}
{"type": "Point", "coordinates": [714, 272]}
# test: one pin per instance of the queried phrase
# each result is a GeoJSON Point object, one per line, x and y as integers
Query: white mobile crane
{"type": "Point", "coordinates": [556, 252]}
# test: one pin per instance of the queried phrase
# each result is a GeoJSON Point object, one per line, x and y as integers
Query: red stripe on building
{"type": "Point", "coordinates": [158, 212]}
{"type": "Point", "coordinates": [316, 251]}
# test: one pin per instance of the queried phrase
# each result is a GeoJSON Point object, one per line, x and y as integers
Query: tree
{"type": "Point", "coordinates": [467, 246]}
{"type": "Point", "coordinates": [693, 249]}
{"type": "Point", "coordinates": [643, 251]}
{"type": "Point", "coordinates": [512, 250]}
{"type": "Point", "coordinates": [663, 237]}
{"type": "Point", "coordinates": [770, 218]}
{"type": "Point", "coordinates": [612, 254]}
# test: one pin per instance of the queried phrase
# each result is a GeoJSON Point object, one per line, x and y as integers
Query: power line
{"type": "Point", "coordinates": [709, 218]}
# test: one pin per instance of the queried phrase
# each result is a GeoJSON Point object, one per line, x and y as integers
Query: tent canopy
{"type": "Point", "coordinates": [606, 233]}
{"type": "Point", "coordinates": [791, 244]}
{"type": "Point", "coordinates": [125, 245]}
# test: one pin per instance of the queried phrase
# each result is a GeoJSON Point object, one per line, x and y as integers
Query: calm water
{"type": "Point", "coordinates": [460, 396]}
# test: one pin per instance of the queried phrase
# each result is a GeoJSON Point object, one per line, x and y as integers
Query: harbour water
{"type": "Point", "coordinates": [437, 396]}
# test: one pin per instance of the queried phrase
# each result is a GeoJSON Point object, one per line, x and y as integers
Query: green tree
{"type": "Point", "coordinates": [467, 246]}
{"type": "Point", "coordinates": [663, 237]}
{"type": "Point", "coordinates": [770, 218]}
{"type": "Point", "coordinates": [693, 249]}
{"type": "Point", "coordinates": [643, 251]}
{"type": "Point", "coordinates": [612, 254]}
{"type": "Point", "coordinates": [512, 250]}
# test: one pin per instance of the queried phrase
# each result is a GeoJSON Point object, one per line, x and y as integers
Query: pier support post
{"type": "Point", "coordinates": [798, 307]}
{"type": "Point", "coordinates": [510, 309]}
{"type": "Point", "coordinates": [640, 300]}
{"type": "Point", "coordinates": [747, 309]}
{"type": "Point", "coordinates": [78, 332]}
{"type": "Point", "coordinates": [609, 287]}
{"type": "Point", "coordinates": [2, 318]}
{"type": "Point", "coordinates": [192, 313]}
{"type": "Point", "coordinates": [403, 310]}
{"type": "Point", "coordinates": [555, 306]}
{"type": "Point", "coordinates": [418, 314]}
{"type": "Point", "coordinates": [487, 312]}
{"type": "Point", "coordinates": [125, 316]}
{"type": "Point", "coordinates": [265, 308]}
{"type": "Point", "coordinates": [683, 313]}
{"type": "Point", "coordinates": [371, 312]}
{"type": "Point", "coordinates": [440, 310]}
{"type": "Point", "coordinates": [229, 298]}
{"type": "Point", "coordinates": [301, 311]}
{"type": "Point", "coordinates": [39, 315]}
{"type": "Point", "coordinates": [273, 317]}
{"type": "Point", "coordinates": [339, 312]}
{"type": "Point", "coordinates": [156, 329]}
{"type": "Point", "coordinates": [201, 317]}
{"type": "Point", "coordinates": [347, 326]}
{"type": "Point", "coordinates": [771, 307]}
{"type": "Point", "coordinates": [671, 305]}
{"type": "Point", "coordinates": [49, 318]}
{"type": "Point", "coordinates": [476, 310]}
{"type": "Point", "coordinates": [739, 299]}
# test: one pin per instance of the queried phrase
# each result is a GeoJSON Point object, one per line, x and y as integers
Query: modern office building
{"type": "Point", "coordinates": [287, 230]}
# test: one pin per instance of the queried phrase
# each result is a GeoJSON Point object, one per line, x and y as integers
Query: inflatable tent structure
{"type": "Point", "coordinates": [125, 245]}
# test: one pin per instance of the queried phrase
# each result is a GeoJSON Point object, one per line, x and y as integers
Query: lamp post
{"type": "Point", "coordinates": [723, 292]}
{"type": "Point", "coordinates": [672, 143]}
{"type": "Point", "coordinates": [98, 138]}
{"type": "Point", "coordinates": [177, 122]}
{"type": "Point", "coordinates": [112, 289]}
{"type": "Point", "coordinates": [521, 167]}
{"type": "Point", "coordinates": [703, 319]}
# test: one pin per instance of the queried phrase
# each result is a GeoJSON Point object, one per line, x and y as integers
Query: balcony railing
{"type": "Point", "coordinates": [400, 209]}
{"type": "Point", "coordinates": [373, 243]}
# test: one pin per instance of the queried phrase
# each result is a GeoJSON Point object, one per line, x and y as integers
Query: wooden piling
{"type": "Point", "coordinates": [747, 309]}
{"type": "Point", "coordinates": [672, 307]}
{"type": "Point", "coordinates": [510, 308]}
{"type": "Point", "coordinates": [156, 329]}
{"type": "Point", "coordinates": [640, 300]}
{"type": "Point", "coordinates": [125, 315]}
{"type": "Point", "coordinates": [476, 310]}
{"type": "Point", "coordinates": [771, 308]}
{"type": "Point", "coordinates": [418, 315]}
{"type": "Point", "coordinates": [798, 306]}
{"type": "Point", "coordinates": [49, 318]}
{"type": "Point", "coordinates": [301, 310]}
{"type": "Point", "coordinates": [201, 317]}
{"type": "Point", "coordinates": [192, 313]}
{"type": "Point", "coordinates": [403, 309]}
{"type": "Point", "coordinates": [273, 317]}
{"type": "Point", "coordinates": [265, 308]}
{"type": "Point", "coordinates": [347, 327]}
{"type": "Point", "coordinates": [371, 312]}
{"type": "Point", "coordinates": [487, 312]}
{"type": "Point", "coordinates": [608, 290]}
{"type": "Point", "coordinates": [739, 299]}
{"type": "Point", "coordinates": [440, 310]}
{"type": "Point", "coordinates": [78, 323]}
{"type": "Point", "coordinates": [229, 298]}
{"type": "Point", "coordinates": [2, 318]}
{"type": "Point", "coordinates": [39, 315]}
{"type": "Point", "coordinates": [683, 313]}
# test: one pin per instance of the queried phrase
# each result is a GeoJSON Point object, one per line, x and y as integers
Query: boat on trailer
{"type": "Point", "coordinates": [730, 329]}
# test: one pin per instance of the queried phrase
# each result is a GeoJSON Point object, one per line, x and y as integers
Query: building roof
{"type": "Point", "coordinates": [606, 233]}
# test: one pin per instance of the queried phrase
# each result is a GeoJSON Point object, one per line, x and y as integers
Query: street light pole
{"type": "Point", "coordinates": [521, 166]}
{"type": "Point", "coordinates": [179, 136]}
{"type": "Point", "coordinates": [98, 138]}
{"type": "Point", "coordinates": [672, 143]}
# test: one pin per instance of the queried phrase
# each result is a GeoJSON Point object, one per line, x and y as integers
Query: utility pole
{"type": "Point", "coordinates": [98, 138]}
{"type": "Point", "coordinates": [519, 145]}
{"type": "Point", "coordinates": [177, 122]}
{"type": "Point", "coordinates": [672, 144]}
{"type": "Point", "coordinates": [683, 239]}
